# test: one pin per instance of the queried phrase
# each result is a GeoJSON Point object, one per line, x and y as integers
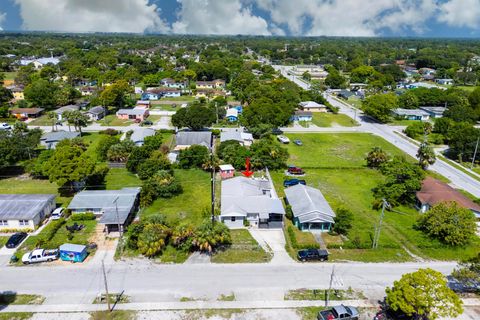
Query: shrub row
{"type": "Point", "coordinates": [83, 216]}
{"type": "Point", "coordinates": [294, 243]}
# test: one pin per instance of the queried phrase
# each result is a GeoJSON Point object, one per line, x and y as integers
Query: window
{"type": "Point", "coordinates": [3, 223]}
{"type": "Point", "coordinates": [233, 219]}
{"type": "Point", "coordinates": [23, 222]}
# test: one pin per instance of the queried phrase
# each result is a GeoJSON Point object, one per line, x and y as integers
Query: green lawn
{"type": "Point", "coordinates": [355, 101]}
{"type": "Point", "coordinates": [13, 298]}
{"type": "Point", "coordinates": [346, 150]}
{"type": "Point", "coordinates": [191, 204]}
{"type": "Point", "coordinates": [244, 249]}
{"type": "Point", "coordinates": [41, 121]}
{"type": "Point", "coordinates": [15, 315]}
{"type": "Point", "coordinates": [3, 240]}
{"type": "Point", "coordinates": [165, 107]}
{"type": "Point", "coordinates": [112, 121]}
{"type": "Point", "coordinates": [10, 75]}
{"type": "Point", "coordinates": [466, 88]}
{"type": "Point", "coordinates": [319, 294]}
{"type": "Point", "coordinates": [114, 315]}
{"type": "Point", "coordinates": [154, 118]}
{"type": "Point", "coordinates": [118, 178]}
{"type": "Point", "coordinates": [92, 140]}
{"type": "Point", "coordinates": [333, 120]}
{"type": "Point", "coordinates": [404, 123]}
{"type": "Point", "coordinates": [323, 156]}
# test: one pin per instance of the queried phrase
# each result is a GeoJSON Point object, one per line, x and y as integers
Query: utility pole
{"type": "Point", "coordinates": [120, 233]}
{"type": "Point", "coordinates": [378, 227]}
{"type": "Point", "coordinates": [475, 153]}
{"type": "Point", "coordinates": [212, 180]}
{"type": "Point", "coordinates": [327, 294]}
{"type": "Point", "coordinates": [216, 111]}
{"type": "Point", "coordinates": [106, 287]}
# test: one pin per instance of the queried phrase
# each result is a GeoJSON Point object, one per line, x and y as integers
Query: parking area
{"type": "Point", "coordinates": [272, 240]}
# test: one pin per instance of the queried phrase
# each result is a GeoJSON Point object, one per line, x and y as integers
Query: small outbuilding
{"type": "Point", "coordinates": [226, 171]}
{"type": "Point", "coordinates": [73, 252]}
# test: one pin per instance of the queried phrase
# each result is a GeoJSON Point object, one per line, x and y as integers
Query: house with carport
{"type": "Point", "coordinates": [310, 209]}
{"type": "Point", "coordinates": [25, 211]}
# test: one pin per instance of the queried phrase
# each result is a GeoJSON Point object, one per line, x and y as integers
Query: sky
{"type": "Point", "coordinates": [365, 18]}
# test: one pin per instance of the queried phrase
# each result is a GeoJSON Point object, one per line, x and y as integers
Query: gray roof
{"type": "Point", "coordinates": [71, 107]}
{"type": "Point", "coordinates": [243, 195]}
{"type": "Point", "coordinates": [235, 135]}
{"type": "Point", "coordinates": [59, 135]}
{"type": "Point", "coordinates": [104, 200]}
{"type": "Point", "coordinates": [72, 247]}
{"type": "Point", "coordinates": [190, 138]}
{"type": "Point", "coordinates": [434, 110]}
{"type": "Point", "coordinates": [96, 110]}
{"type": "Point", "coordinates": [410, 112]}
{"type": "Point", "coordinates": [308, 204]}
{"type": "Point", "coordinates": [311, 104]}
{"type": "Point", "coordinates": [139, 134]}
{"type": "Point", "coordinates": [23, 206]}
{"type": "Point", "coordinates": [134, 111]}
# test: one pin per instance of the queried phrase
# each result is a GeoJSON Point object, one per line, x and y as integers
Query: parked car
{"type": "Point", "coordinates": [5, 126]}
{"type": "Point", "coordinates": [283, 139]}
{"type": "Point", "coordinates": [276, 131]}
{"type": "Point", "coordinates": [339, 312]}
{"type": "Point", "coordinates": [57, 213]}
{"type": "Point", "coordinates": [293, 182]}
{"type": "Point", "coordinates": [298, 142]}
{"type": "Point", "coordinates": [456, 285]}
{"type": "Point", "coordinates": [15, 239]}
{"type": "Point", "coordinates": [146, 123]}
{"type": "Point", "coordinates": [295, 170]}
{"type": "Point", "coordinates": [312, 255]}
{"type": "Point", "coordinates": [40, 255]}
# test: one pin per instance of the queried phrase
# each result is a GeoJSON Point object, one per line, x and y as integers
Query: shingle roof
{"type": "Point", "coordinates": [23, 206]}
{"type": "Point", "coordinates": [71, 107]}
{"type": "Point", "coordinates": [96, 110]}
{"type": "Point", "coordinates": [104, 200]}
{"type": "Point", "coordinates": [134, 111]}
{"type": "Point", "coordinates": [59, 135]}
{"type": "Point", "coordinates": [308, 204]}
{"type": "Point", "coordinates": [408, 112]}
{"type": "Point", "coordinates": [311, 104]}
{"type": "Point", "coordinates": [190, 138]}
{"type": "Point", "coordinates": [26, 110]}
{"type": "Point", "coordinates": [434, 191]}
{"type": "Point", "coordinates": [236, 136]}
{"type": "Point", "coordinates": [139, 134]}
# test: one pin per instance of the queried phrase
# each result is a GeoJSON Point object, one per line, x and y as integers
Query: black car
{"type": "Point", "coordinates": [312, 255]}
{"type": "Point", "coordinates": [293, 182]}
{"type": "Point", "coordinates": [15, 240]}
{"type": "Point", "coordinates": [276, 131]}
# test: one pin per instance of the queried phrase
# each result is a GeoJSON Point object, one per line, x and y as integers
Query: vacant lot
{"type": "Point", "coordinates": [112, 120]}
{"type": "Point", "coordinates": [333, 120]}
{"type": "Point", "coordinates": [351, 187]}
{"type": "Point", "coordinates": [244, 249]}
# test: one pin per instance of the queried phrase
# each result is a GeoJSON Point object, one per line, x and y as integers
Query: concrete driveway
{"type": "Point", "coordinates": [272, 240]}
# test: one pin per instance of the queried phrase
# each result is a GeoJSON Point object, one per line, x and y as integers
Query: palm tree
{"type": "Point", "coordinates": [376, 157]}
{"type": "Point", "coordinates": [153, 239]}
{"type": "Point", "coordinates": [426, 155]}
{"type": "Point", "coordinates": [53, 117]}
{"type": "Point", "coordinates": [209, 236]}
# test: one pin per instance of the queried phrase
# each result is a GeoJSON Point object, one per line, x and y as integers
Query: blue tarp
{"type": "Point", "coordinates": [73, 252]}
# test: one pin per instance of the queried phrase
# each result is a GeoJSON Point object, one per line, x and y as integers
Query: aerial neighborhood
{"type": "Point", "coordinates": [297, 156]}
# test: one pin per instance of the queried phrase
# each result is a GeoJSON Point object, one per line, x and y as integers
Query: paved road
{"type": "Point", "coordinates": [457, 177]}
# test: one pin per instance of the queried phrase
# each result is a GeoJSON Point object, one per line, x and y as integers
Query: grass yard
{"type": "Point", "coordinates": [319, 294]}
{"type": "Point", "coordinates": [118, 178]}
{"type": "Point", "coordinates": [466, 88]}
{"type": "Point", "coordinates": [13, 298]}
{"type": "Point", "coordinates": [244, 249]}
{"type": "Point", "coordinates": [404, 123]}
{"type": "Point", "coordinates": [191, 204]}
{"type": "Point", "coordinates": [41, 121]}
{"type": "Point", "coordinates": [15, 315]}
{"type": "Point", "coordinates": [355, 101]}
{"type": "Point", "coordinates": [112, 121]}
{"type": "Point", "coordinates": [351, 188]}
{"type": "Point", "coordinates": [114, 315]}
{"type": "Point", "coordinates": [333, 120]}
{"type": "Point", "coordinates": [165, 107]}
{"type": "Point", "coordinates": [10, 75]}
{"type": "Point", "coordinates": [341, 150]}
{"type": "Point", "coordinates": [3, 240]}
{"type": "Point", "coordinates": [92, 140]}
{"type": "Point", "coordinates": [154, 118]}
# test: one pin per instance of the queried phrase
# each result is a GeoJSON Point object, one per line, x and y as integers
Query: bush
{"type": "Point", "coordinates": [216, 132]}
{"type": "Point", "coordinates": [294, 243]}
{"type": "Point", "coordinates": [110, 132]}
{"type": "Point", "coordinates": [51, 229]}
{"type": "Point", "coordinates": [414, 130]}
{"type": "Point", "coordinates": [194, 157]}
{"type": "Point", "coordinates": [343, 221]}
{"type": "Point", "coordinates": [83, 216]}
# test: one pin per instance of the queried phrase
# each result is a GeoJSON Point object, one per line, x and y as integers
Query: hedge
{"type": "Point", "coordinates": [83, 216]}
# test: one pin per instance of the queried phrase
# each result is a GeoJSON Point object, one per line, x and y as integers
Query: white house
{"type": "Point", "coordinates": [244, 138]}
{"type": "Point", "coordinates": [139, 134]}
{"type": "Point", "coordinates": [24, 211]}
{"type": "Point", "coordinates": [312, 106]}
{"type": "Point", "coordinates": [411, 114]}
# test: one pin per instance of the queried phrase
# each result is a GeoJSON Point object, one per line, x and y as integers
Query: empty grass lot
{"type": "Point", "coordinates": [333, 120]}
{"type": "Point", "coordinates": [113, 121]}
{"type": "Point", "coordinates": [118, 178]}
{"type": "Point", "coordinates": [244, 249]}
{"type": "Point", "coordinates": [335, 164]}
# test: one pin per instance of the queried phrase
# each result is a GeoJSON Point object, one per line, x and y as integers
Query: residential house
{"type": "Point", "coordinates": [137, 114]}
{"type": "Point", "coordinates": [311, 211]}
{"type": "Point", "coordinates": [87, 91]}
{"type": "Point", "coordinates": [312, 106]}
{"type": "Point", "coordinates": [26, 113]}
{"type": "Point", "coordinates": [24, 211]}
{"type": "Point", "coordinates": [244, 138]}
{"type": "Point", "coordinates": [435, 191]}
{"type": "Point", "coordinates": [186, 139]}
{"type": "Point", "coordinates": [40, 62]}
{"type": "Point", "coordinates": [411, 114]}
{"type": "Point", "coordinates": [96, 113]}
{"type": "Point", "coordinates": [170, 83]}
{"type": "Point", "coordinates": [251, 200]}
{"type": "Point", "coordinates": [427, 85]}
{"type": "Point", "coordinates": [50, 139]}
{"type": "Point", "coordinates": [205, 85]}
{"type": "Point", "coordinates": [139, 134]}
{"type": "Point", "coordinates": [59, 112]}
{"type": "Point", "coordinates": [232, 115]}
{"type": "Point", "coordinates": [227, 171]}
{"type": "Point", "coordinates": [219, 83]}
{"type": "Point", "coordinates": [17, 92]}
{"type": "Point", "coordinates": [113, 207]}
{"type": "Point", "coordinates": [143, 104]}
{"type": "Point", "coordinates": [434, 112]}
{"type": "Point", "coordinates": [150, 96]}
{"type": "Point", "coordinates": [300, 115]}
{"type": "Point", "coordinates": [345, 94]}
{"type": "Point", "coordinates": [170, 92]}
{"type": "Point", "coordinates": [447, 82]}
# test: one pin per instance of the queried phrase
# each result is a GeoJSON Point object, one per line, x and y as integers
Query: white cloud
{"type": "Point", "coordinates": [218, 17]}
{"type": "Point", "coordinates": [461, 13]}
{"type": "Point", "coordinates": [91, 15]}
{"type": "Point", "coordinates": [348, 17]}
{"type": "Point", "coordinates": [3, 16]}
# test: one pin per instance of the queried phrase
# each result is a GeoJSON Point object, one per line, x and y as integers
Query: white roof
{"type": "Point", "coordinates": [308, 204]}
{"type": "Point", "coordinates": [311, 104]}
{"type": "Point", "coordinates": [232, 112]}
{"type": "Point", "coordinates": [409, 112]}
{"type": "Point", "coordinates": [235, 135]}
{"type": "Point", "coordinates": [226, 167]}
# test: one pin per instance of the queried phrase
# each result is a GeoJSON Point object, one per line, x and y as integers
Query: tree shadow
{"type": "Point", "coordinates": [7, 298]}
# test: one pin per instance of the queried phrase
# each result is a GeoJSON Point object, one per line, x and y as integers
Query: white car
{"type": "Point", "coordinates": [57, 213]}
{"type": "Point", "coordinates": [283, 139]}
{"type": "Point", "coordinates": [5, 126]}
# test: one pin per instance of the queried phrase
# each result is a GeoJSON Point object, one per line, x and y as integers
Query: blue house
{"type": "Point", "coordinates": [73, 252]}
{"type": "Point", "coordinates": [302, 116]}
{"type": "Point", "coordinates": [150, 96]}
{"type": "Point", "coordinates": [232, 115]}
{"type": "Point", "coordinates": [239, 109]}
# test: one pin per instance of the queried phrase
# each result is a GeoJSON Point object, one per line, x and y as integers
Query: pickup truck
{"type": "Point", "coordinates": [339, 312]}
{"type": "Point", "coordinates": [40, 255]}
